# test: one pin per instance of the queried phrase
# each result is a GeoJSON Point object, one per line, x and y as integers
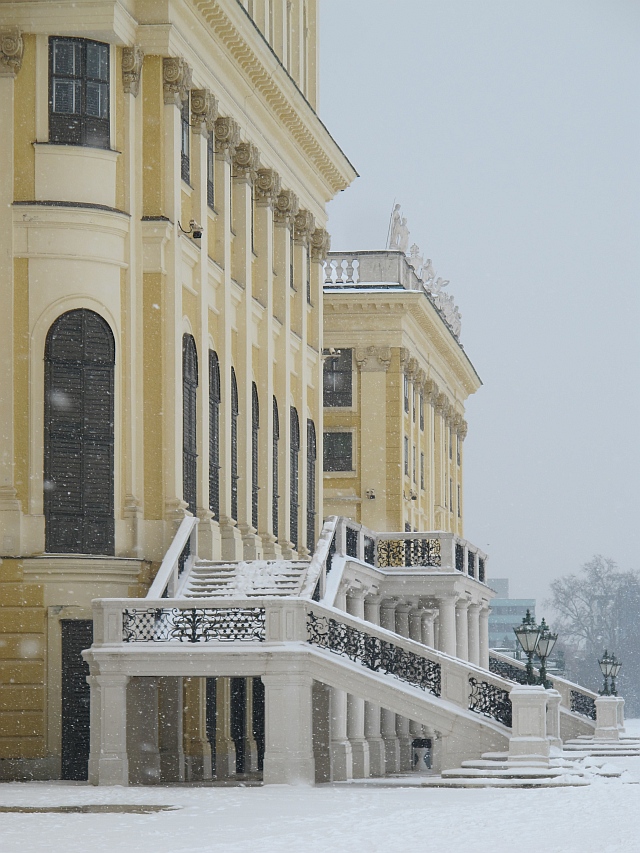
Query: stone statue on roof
{"type": "Point", "coordinates": [398, 231]}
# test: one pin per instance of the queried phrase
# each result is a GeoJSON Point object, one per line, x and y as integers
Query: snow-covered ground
{"type": "Point", "coordinates": [601, 818]}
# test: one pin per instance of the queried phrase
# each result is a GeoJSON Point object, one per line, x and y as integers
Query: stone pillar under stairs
{"type": "Point", "coordinates": [356, 706]}
{"type": "Point", "coordinates": [341, 754]}
{"type": "Point", "coordinates": [388, 718]}
{"type": "Point", "coordinates": [372, 712]}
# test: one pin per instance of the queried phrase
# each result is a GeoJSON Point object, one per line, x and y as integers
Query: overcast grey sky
{"type": "Point", "coordinates": [509, 130]}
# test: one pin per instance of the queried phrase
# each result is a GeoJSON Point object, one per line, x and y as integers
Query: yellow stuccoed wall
{"type": "Point", "coordinates": [22, 665]}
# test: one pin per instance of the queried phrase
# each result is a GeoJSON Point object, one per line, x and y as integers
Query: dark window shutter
{"type": "Point", "coordinates": [234, 446]}
{"type": "Point", "coordinates": [214, 435]}
{"type": "Point", "coordinates": [255, 426]}
{"type": "Point", "coordinates": [275, 495]}
{"type": "Point", "coordinates": [311, 486]}
{"type": "Point", "coordinates": [189, 422]}
{"type": "Point", "coordinates": [293, 485]}
{"type": "Point", "coordinates": [79, 432]}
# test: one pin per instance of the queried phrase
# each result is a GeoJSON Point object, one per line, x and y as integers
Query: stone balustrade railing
{"type": "Point", "coordinates": [437, 550]}
{"type": "Point", "coordinates": [124, 624]}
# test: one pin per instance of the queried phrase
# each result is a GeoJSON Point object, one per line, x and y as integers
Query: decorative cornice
{"type": "Point", "coordinates": [287, 109]}
{"type": "Point", "coordinates": [373, 359]}
{"type": "Point", "coordinates": [246, 160]}
{"type": "Point", "coordinates": [320, 245]}
{"type": "Point", "coordinates": [176, 80]}
{"type": "Point", "coordinates": [303, 226]}
{"type": "Point", "coordinates": [132, 59]}
{"type": "Point", "coordinates": [227, 135]}
{"type": "Point", "coordinates": [11, 51]}
{"type": "Point", "coordinates": [287, 206]}
{"type": "Point", "coordinates": [267, 187]}
{"type": "Point", "coordinates": [204, 111]}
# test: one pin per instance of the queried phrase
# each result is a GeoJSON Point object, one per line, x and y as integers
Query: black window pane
{"type": "Point", "coordinates": [66, 96]}
{"type": "Point", "coordinates": [66, 57]}
{"type": "Point", "coordinates": [337, 379]}
{"type": "Point", "coordinates": [97, 61]}
{"type": "Point", "coordinates": [97, 100]}
{"type": "Point", "coordinates": [79, 92]}
{"type": "Point", "coordinates": [337, 451]}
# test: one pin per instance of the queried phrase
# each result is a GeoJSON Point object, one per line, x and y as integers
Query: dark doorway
{"type": "Point", "coordinates": [211, 718]}
{"type": "Point", "coordinates": [238, 714]}
{"type": "Point", "coordinates": [258, 718]}
{"type": "Point", "coordinates": [77, 635]}
{"type": "Point", "coordinates": [78, 435]}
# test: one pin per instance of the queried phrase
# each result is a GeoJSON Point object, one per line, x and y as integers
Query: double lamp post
{"type": "Point", "coordinates": [536, 640]}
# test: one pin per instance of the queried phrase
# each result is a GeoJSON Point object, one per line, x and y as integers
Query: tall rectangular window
{"type": "Point", "coordinates": [184, 141]}
{"type": "Point", "coordinates": [414, 403]}
{"type": "Point", "coordinates": [308, 275]}
{"type": "Point", "coordinates": [211, 163]}
{"type": "Point", "coordinates": [451, 495]}
{"type": "Point", "coordinates": [415, 465]}
{"type": "Point", "coordinates": [337, 451]}
{"type": "Point", "coordinates": [459, 507]}
{"type": "Point", "coordinates": [406, 456]}
{"type": "Point", "coordinates": [450, 445]}
{"type": "Point", "coordinates": [422, 410]}
{"type": "Point", "coordinates": [337, 379]}
{"type": "Point", "coordinates": [406, 393]}
{"type": "Point", "coordinates": [458, 443]}
{"type": "Point", "coordinates": [78, 92]}
{"type": "Point", "coordinates": [422, 471]}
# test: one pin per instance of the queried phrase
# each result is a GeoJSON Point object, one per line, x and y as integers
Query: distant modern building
{"type": "Point", "coordinates": [506, 614]}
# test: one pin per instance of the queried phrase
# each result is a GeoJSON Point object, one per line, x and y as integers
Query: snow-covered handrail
{"type": "Point", "coordinates": [319, 559]}
{"type": "Point", "coordinates": [167, 577]}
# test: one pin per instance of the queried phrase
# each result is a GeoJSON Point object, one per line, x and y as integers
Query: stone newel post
{"type": "Point", "coordinates": [607, 717]}
{"type": "Point", "coordinates": [528, 740]}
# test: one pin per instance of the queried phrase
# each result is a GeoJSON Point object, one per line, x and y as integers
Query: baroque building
{"type": "Point", "coordinates": [395, 384]}
{"type": "Point", "coordinates": [162, 234]}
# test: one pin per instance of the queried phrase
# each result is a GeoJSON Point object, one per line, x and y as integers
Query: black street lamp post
{"type": "Point", "coordinates": [546, 642]}
{"type": "Point", "coordinates": [528, 635]}
{"type": "Point", "coordinates": [610, 667]}
{"type": "Point", "coordinates": [536, 640]}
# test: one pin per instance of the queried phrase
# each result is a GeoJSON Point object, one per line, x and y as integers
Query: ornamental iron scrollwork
{"type": "Point", "coordinates": [194, 625]}
{"type": "Point", "coordinates": [583, 704]}
{"type": "Point", "coordinates": [373, 653]}
{"type": "Point", "coordinates": [490, 700]}
{"type": "Point", "coordinates": [507, 670]}
{"type": "Point", "coordinates": [396, 553]}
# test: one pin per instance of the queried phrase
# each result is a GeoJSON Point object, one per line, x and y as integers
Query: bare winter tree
{"type": "Point", "coordinates": [597, 609]}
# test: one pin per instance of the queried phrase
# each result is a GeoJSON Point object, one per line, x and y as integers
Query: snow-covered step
{"type": "Point", "coordinates": [250, 578]}
{"type": "Point", "coordinates": [563, 781]}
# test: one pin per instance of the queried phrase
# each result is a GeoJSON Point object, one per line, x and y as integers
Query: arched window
{"type": "Point", "coordinates": [275, 495]}
{"type": "Point", "coordinates": [311, 486]}
{"type": "Point", "coordinates": [293, 485]}
{"type": "Point", "coordinates": [189, 440]}
{"type": "Point", "coordinates": [255, 426]}
{"type": "Point", "coordinates": [234, 446]}
{"type": "Point", "coordinates": [214, 435]}
{"type": "Point", "coordinates": [78, 435]}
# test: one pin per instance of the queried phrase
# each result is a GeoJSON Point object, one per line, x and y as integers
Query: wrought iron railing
{"type": "Point", "coordinates": [507, 670]}
{"type": "Point", "coordinates": [490, 700]}
{"type": "Point", "coordinates": [583, 704]}
{"type": "Point", "coordinates": [373, 653]}
{"type": "Point", "coordinates": [409, 552]}
{"type": "Point", "coordinates": [193, 625]}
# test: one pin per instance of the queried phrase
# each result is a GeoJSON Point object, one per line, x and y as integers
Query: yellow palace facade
{"type": "Point", "coordinates": [163, 185]}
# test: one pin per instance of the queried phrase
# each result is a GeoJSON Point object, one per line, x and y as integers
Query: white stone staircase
{"type": "Point", "coordinates": [584, 746]}
{"type": "Point", "coordinates": [495, 770]}
{"type": "Point", "coordinates": [251, 579]}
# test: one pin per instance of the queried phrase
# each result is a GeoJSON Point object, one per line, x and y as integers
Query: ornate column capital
{"type": "Point", "coordinates": [246, 161]}
{"type": "Point", "coordinates": [11, 51]}
{"type": "Point", "coordinates": [267, 185]}
{"type": "Point", "coordinates": [226, 135]}
{"type": "Point", "coordinates": [303, 226]}
{"type": "Point", "coordinates": [431, 391]}
{"type": "Point", "coordinates": [176, 80]}
{"type": "Point", "coordinates": [132, 59]}
{"type": "Point", "coordinates": [287, 206]}
{"type": "Point", "coordinates": [373, 359]}
{"type": "Point", "coordinates": [442, 405]}
{"type": "Point", "coordinates": [204, 111]}
{"type": "Point", "coordinates": [320, 245]}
